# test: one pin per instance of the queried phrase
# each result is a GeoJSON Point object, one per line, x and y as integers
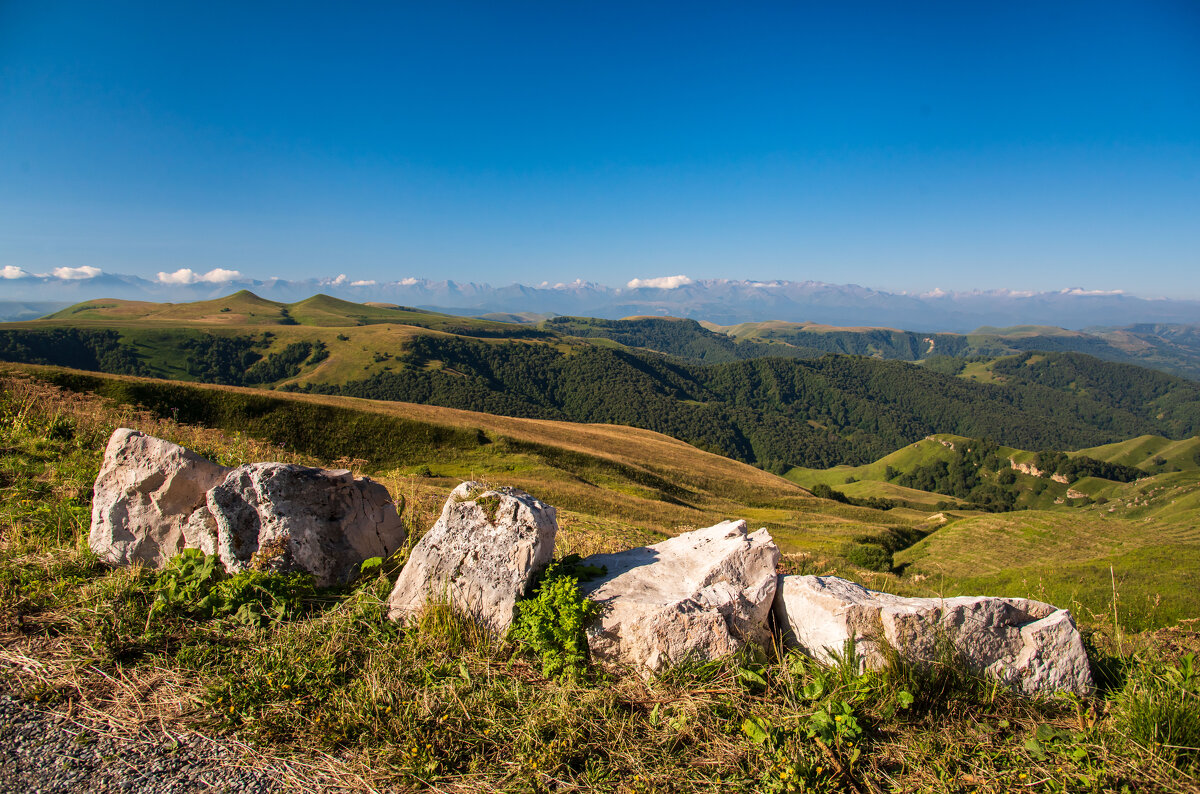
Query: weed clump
{"type": "Point", "coordinates": [1159, 709]}
{"type": "Point", "coordinates": [193, 584]}
{"type": "Point", "coordinates": [550, 624]}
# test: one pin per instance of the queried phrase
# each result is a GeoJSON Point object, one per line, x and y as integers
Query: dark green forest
{"type": "Point", "coordinates": [773, 412]}
{"type": "Point", "coordinates": [98, 350]}
{"type": "Point", "coordinates": [677, 337]}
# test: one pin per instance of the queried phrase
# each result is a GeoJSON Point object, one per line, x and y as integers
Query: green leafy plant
{"type": "Point", "coordinates": [194, 585]}
{"type": "Point", "coordinates": [551, 623]}
{"type": "Point", "coordinates": [833, 722]}
{"type": "Point", "coordinates": [186, 584]}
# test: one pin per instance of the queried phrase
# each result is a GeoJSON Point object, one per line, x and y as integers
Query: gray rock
{"type": "Point", "coordinates": [282, 517]}
{"type": "Point", "coordinates": [480, 556]}
{"type": "Point", "coordinates": [701, 595]}
{"type": "Point", "coordinates": [144, 496]}
{"type": "Point", "coordinates": [1031, 646]}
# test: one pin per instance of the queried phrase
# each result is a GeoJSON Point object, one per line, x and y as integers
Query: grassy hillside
{"type": "Point", "coordinates": [334, 697]}
{"type": "Point", "coordinates": [1073, 559]}
{"type": "Point", "coordinates": [1064, 542]}
{"type": "Point", "coordinates": [615, 484]}
{"type": "Point", "coordinates": [772, 411]}
{"type": "Point", "coordinates": [611, 482]}
{"type": "Point", "coordinates": [1150, 452]}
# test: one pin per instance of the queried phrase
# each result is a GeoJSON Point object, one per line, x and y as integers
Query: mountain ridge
{"type": "Point", "coordinates": [724, 301]}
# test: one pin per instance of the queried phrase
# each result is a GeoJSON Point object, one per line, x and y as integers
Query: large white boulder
{"type": "Point", "coordinates": [143, 497]}
{"type": "Point", "coordinates": [281, 517]}
{"type": "Point", "coordinates": [1031, 646]}
{"type": "Point", "coordinates": [480, 556]}
{"type": "Point", "coordinates": [700, 595]}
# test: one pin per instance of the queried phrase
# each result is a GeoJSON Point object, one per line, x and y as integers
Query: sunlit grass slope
{"type": "Point", "coordinates": [1073, 559]}
{"type": "Point", "coordinates": [1143, 450]}
{"type": "Point", "coordinates": [244, 308]}
{"type": "Point", "coordinates": [616, 485]}
{"type": "Point", "coordinates": [321, 689]}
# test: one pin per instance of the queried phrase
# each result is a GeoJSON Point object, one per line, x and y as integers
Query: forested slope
{"type": "Point", "coordinates": [836, 409]}
{"type": "Point", "coordinates": [769, 403]}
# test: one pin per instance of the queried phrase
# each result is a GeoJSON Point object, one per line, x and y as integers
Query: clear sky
{"type": "Point", "coordinates": [899, 145]}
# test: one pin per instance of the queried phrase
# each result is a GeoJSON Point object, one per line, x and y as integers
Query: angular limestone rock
{"type": "Point", "coordinates": [1031, 646]}
{"type": "Point", "coordinates": [701, 595]}
{"type": "Point", "coordinates": [282, 517]}
{"type": "Point", "coordinates": [480, 556]}
{"type": "Point", "coordinates": [143, 498]}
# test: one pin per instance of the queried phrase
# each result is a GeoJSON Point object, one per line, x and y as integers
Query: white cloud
{"type": "Point", "coordinates": [186, 275]}
{"type": "Point", "coordinates": [12, 271]}
{"type": "Point", "coordinates": [76, 273]}
{"type": "Point", "coordinates": [1081, 291]}
{"type": "Point", "coordinates": [368, 283]}
{"type": "Point", "coordinates": [407, 282]}
{"type": "Point", "coordinates": [663, 282]}
{"type": "Point", "coordinates": [341, 279]}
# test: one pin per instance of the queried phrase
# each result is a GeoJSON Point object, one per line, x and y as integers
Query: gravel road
{"type": "Point", "coordinates": [44, 751]}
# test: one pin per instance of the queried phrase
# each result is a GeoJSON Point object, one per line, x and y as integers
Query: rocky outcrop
{"type": "Point", "coordinates": [1062, 478]}
{"type": "Point", "coordinates": [282, 517]}
{"type": "Point", "coordinates": [480, 556]}
{"type": "Point", "coordinates": [701, 595]}
{"type": "Point", "coordinates": [1031, 646]}
{"type": "Point", "coordinates": [144, 496]}
{"type": "Point", "coordinates": [1026, 468]}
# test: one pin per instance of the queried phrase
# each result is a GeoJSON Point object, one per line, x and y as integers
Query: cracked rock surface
{"type": "Point", "coordinates": [1031, 646]}
{"type": "Point", "coordinates": [282, 517]}
{"type": "Point", "coordinates": [700, 595]}
{"type": "Point", "coordinates": [481, 555]}
{"type": "Point", "coordinates": [145, 493]}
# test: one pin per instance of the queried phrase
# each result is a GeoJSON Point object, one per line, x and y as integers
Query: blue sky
{"type": "Point", "coordinates": [904, 146]}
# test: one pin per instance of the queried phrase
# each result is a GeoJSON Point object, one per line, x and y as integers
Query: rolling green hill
{"type": "Point", "coordinates": [1068, 543]}
{"type": "Point", "coordinates": [1150, 452]}
{"type": "Point", "coordinates": [940, 468]}
{"type": "Point", "coordinates": [775, 411]}
{"type": "Point", "coordinates": [613, 484]}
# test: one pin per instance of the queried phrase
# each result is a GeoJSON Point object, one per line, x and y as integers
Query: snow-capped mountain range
{"type": "Point", "coordinates": [722, 301]}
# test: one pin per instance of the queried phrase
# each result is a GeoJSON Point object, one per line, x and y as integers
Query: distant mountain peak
{"type": "Point", "coordinates": [717, 300]}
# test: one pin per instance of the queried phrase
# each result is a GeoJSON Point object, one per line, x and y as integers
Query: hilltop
{"type": "Point", "coordinates": [723, 301]}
